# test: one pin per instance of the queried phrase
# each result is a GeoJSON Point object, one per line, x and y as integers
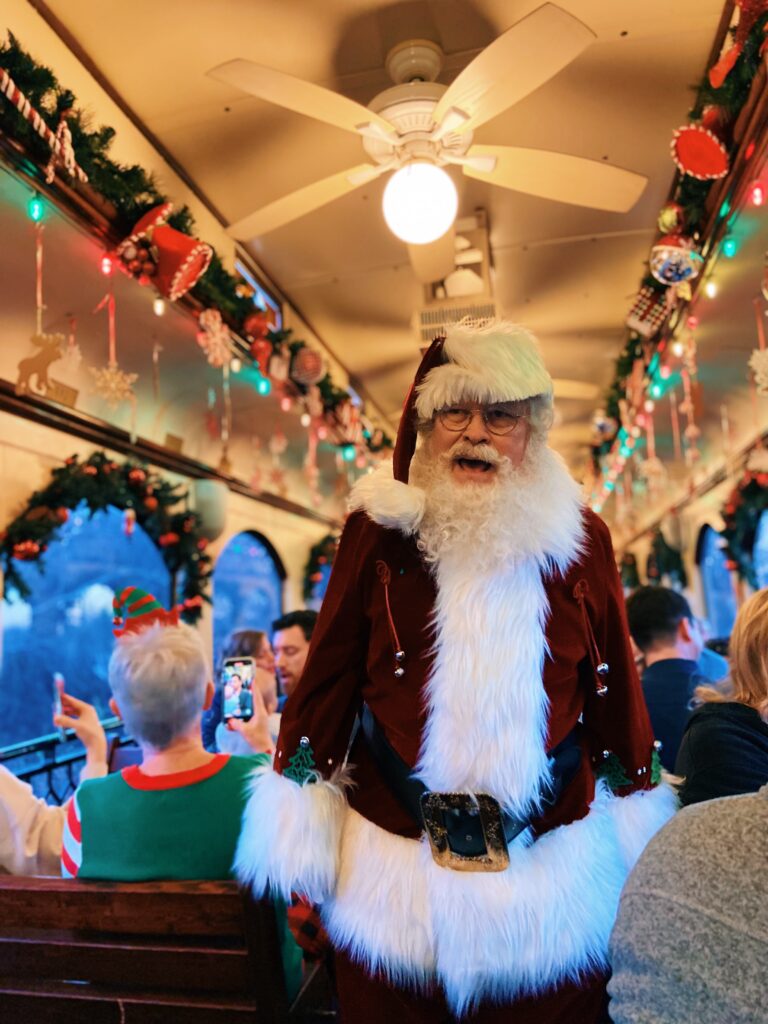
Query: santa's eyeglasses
{"type": "Point", "coordinates": [498, 419]}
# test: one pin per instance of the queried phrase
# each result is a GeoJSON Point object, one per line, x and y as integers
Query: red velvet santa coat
{"type": "Point", "coordinates": [499, 667]}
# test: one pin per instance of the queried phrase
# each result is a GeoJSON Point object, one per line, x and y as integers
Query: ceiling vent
{"type": "Point", "coordinates": [466, 292]}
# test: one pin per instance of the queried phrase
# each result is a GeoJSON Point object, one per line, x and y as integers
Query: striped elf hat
{"type": "Point", "coordinates": [136, 610]}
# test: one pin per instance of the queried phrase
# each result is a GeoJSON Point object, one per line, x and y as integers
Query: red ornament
{"type": "Point", "coordinates": [70, 461]}
{"type": "Point", "coordinates": [762, 479]}
{"type": "Point", "coordinates": [62, 514]}
{"type": "Point", "coordinates": [90, 470]}
{"type": "Point", "coordinates": [193, 602]}
{"type": "Point", "coordinates": [255, 325]}
{"type": "Point", "coordinates": [699, 148]}
{"type": "Point", "coordinates": [26, 550]}
{"type": "Point", "coordinates": [181, 260]}
{"type": "Point", "coordinates": [166, 540]}
{"type": "Point", "coordinates": [261, 350]}
{"type": "Point", "coordinates": [202, 544]}
{"type": "Point", "coordinates": [187, 525]}
{"type": "Point", "coordinates": [307, 367]}
{"type": "Point", "coordinates": [150, 503]}
{"type": "Point", "coordinates": [137, 476]}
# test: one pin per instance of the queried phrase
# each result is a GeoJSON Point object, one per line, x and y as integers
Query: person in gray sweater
{"type": "Point", "coordinates": [690, 943]}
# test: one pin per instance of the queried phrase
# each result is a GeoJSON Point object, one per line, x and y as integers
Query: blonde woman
{"type": "Point", "coordinates": [725, 747]}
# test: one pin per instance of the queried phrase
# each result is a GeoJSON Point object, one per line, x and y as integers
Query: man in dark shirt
{"type": "Point", "coordinates": [669, 637]}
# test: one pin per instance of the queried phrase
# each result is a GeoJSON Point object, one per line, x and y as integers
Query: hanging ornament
{"type": "Point", "coordinates": [129, 521]}
{"type": "Point", "coordinates": [699, 148]}
{"type": "Point", "coordinates": [212, 420]}
{"type": "Point", "coordinates": [648, 312]}
{"type": "Point", "coordinates": [749, 12]}
{"type": "Point", "coordinates": [157, 348]}
{"type": "Point", "coordinates": [314, 401]}
{"type": "Point", "coordinates": [214, 338]}
{"type": "Point", "coordinates": [50, 349]}
{"type": "Point", "coordinates": [758, 361]}
{"type": "Point", "coordinates": [62, 153]}
{"type": "Point", "coordinates": [307, 367]}
{"type": "Point", "coordinates": [278, 444]}
{"type": "Point", "coordinates": [17, 99]}
{"type": "Point", "coordinates": [244, 290]}
{"type": "Point", "coordinates": [671, 219]}
{"type": "Point", "coordinates": [674, 259]}
{"type": "Point", "coordinates": [173, 260]}
{"type": "Point", "coordinates": [279, 366]}
{"type": "Point", "coordinates": [261, 350]}
{"type": "Point", "coordinates": [113, 384]}
{"type": "Point", "coordinates": [256, 325]}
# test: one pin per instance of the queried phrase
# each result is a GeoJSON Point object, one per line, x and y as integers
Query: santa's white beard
{"type": "Point", "coordinates": [491, 520]}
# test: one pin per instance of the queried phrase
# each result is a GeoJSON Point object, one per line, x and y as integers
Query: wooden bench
{"type": "Point", "coordinates": [139, 953]}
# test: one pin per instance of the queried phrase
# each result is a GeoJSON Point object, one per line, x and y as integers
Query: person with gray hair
{"type": "Point", "coordinates": [177, 815]}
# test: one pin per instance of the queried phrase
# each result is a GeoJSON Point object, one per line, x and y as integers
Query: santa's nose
{"type": "Point", "coordinates": [476, 431]}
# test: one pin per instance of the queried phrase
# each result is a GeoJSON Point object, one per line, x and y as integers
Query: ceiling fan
{"type": "Point", "coordinates": [419, 126]}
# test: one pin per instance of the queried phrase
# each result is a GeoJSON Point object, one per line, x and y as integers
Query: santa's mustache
{"type": "Point", "coordinates": [465, 450]}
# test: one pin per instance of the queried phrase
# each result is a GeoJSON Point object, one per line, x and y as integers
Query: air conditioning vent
{"type": "Point", "coordinates": [433, 320]}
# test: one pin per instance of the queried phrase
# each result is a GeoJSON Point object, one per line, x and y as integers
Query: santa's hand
{"type": "Point", "coordinates": [255, 731]}
{"type": "Point", "coordinates": [81, 717]}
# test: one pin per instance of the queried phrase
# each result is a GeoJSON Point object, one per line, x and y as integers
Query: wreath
{"type": "Point", "coordinates": [144, 496]}
{"type": "Point", "coordinates": [630, 577]}
{"type": "Point", "coordinates": [321, 555]}
{"type": "Point", "coordinates": [664, 560]}
{"type": "Point", "coordinates": [741, 514]}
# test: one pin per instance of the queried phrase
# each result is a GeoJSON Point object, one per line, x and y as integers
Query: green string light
{"type": "Point", "coordinates": [36, 208]}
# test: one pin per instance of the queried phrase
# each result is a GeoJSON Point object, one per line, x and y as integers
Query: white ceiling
{"type": "Point", "coordinates": [568, 273]}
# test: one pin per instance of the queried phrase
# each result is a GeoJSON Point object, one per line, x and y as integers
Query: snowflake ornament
{"type": "Point", "coordinates": [113, 384]}
{"type": "Point", "coordinates": [213, 338]}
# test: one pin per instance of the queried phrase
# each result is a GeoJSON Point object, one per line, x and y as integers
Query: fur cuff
{"type": "Point", "coordinates": [639, 817]}
{"type": "Point", "coordinates": [290, 836]}
{"type": "Point", "coordinates": [388, 502]}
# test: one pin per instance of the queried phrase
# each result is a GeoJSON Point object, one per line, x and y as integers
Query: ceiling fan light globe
{"type": "Point", "coordinates": [420, 203]}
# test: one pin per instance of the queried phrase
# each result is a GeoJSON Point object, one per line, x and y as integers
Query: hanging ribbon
{"type": "Point", "coordinates": [71, 342]}
{"type": "Point", "coordinates": [226, 414]}
{"type": "Point", "coordinates": [39, 227]}
{"type": "Point", "coordinates": [157, 348]}
{"type": "Point", "coordinates": [675, 425]}
{"type": "Point", "coordinates": [109, 302]}
{"type": "Point", "coordinates": [650, 435]}
{"type": "Point", "coordinates": [758, 307]}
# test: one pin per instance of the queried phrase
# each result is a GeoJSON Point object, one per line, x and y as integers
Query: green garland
{"type": "Point", "coordinates": [101, 483]}
{"type": "Point", "coordinates": [664, 560]}
{"type": "Point", "coordinates": [691, 193]}
{"type": "Point", "coordinates": [741, 514]}
{"type": "Point", "coordinates": [320, 554]}
{"type": "Point", "coordinates": [129, 189]}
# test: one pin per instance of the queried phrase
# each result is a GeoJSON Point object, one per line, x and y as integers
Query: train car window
{"type": "Point", "coordinates": [719, 597]}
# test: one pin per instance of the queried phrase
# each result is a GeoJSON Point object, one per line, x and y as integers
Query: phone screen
{"type": "Point", "coordinates": [58, 686]}
{"type": "Point", "coordinates": [237, 685]}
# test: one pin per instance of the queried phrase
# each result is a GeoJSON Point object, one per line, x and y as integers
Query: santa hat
{"type": "Point", "coordinates": [498, 362]}
{"type": "Point", "coordinates": [136, 609]}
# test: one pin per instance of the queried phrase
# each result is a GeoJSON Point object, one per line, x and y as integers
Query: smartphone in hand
{"type": "Point", "coordinates": [237, 683]}
{"type": "Point", "coordinates": [58, 688]}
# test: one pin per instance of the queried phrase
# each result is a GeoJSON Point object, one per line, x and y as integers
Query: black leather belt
{"type": "Point", "coordinates": [467, 831]}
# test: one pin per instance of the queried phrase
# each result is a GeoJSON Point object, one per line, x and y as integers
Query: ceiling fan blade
{"type": "Point", "coordinates": [435, 260]}
{"type": "Point", "coordinates": [558, 176]}
{"type": "Point", "coordinates": [303, 97]}
{"type": "Point", "coordinates": [297, 204]}
{"type": "Point", "coordinates": [519, 61]}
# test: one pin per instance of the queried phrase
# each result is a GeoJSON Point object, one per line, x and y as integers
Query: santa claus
{"type": "Point", "coordinates": [466, 772]}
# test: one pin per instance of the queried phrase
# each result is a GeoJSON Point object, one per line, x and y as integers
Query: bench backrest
{"type": "Point", "coordinates": [139, 953]}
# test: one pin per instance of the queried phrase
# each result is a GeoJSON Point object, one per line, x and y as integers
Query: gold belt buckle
{"type": "Point", "coordinates": [434, 807]}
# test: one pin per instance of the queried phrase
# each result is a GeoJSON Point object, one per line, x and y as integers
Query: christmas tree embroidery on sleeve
{"type": "Point", "coordinates": [613, 772]}
{"type": "Point", "coordinates": [301, 767]}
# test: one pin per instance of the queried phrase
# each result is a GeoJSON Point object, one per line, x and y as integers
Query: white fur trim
{"type": "Point", "coordinates": [490, 651]}
{"type": "Point", "coordinates": [547, 918]}
{"type": "Point", "coordinates": [387, 501]}
{"type": "Point", "coordinates": [499, 362]}
{"type": "Point", "coordinates": [487, 677]}
{"type": "Point", "coordinates": [290, 836]}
